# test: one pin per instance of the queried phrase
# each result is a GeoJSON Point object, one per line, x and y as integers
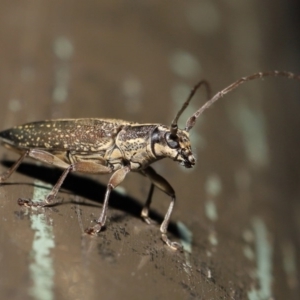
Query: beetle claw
{"type": "Point", "coordinates": [29, 203]}
{"type": "Point", "coordinates": [173, 245]}
{"type": "Point", "coordinates": [148, 220]}
{"type": "Point", "coordinates": [94, 230]}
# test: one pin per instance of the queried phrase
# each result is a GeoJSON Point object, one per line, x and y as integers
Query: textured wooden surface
{"type": "Point", "coordinates": [238, 210]}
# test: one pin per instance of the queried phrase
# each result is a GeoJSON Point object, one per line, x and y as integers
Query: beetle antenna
{"type": "Point", "coordinates": [192, 120]}
{"type": "Point", "coordinates": [174, 126]}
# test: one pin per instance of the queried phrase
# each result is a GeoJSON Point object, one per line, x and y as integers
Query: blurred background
{"type": "Point", "coordinates": [238, 210]}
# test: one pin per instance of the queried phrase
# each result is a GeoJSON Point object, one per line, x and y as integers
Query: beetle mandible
{"type": "Point", "coordinates": [103, 146]}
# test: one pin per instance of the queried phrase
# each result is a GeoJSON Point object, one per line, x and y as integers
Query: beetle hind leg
{"type": "Point", "coordinates": [113, 182]}
{"type": "Point", "coordinates": [13, 168]}
{"type": "Point", "coordinates": [50, 199]}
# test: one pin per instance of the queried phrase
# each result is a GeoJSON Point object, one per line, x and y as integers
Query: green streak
{"type": "Point", "coordinates": [213, 185]}
{"type": "Point", "coordinates": [252, 125]}
{"type": "Point", "coordinates": [211, 210]}
{"type": "Point", "coordinates": [264, 252]}
{"type": "Point", "coordinates": [186, 236]}
{"type": "Point", "coordinates": [41, 268]}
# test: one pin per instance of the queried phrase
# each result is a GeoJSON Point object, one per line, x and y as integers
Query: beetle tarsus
{"type": "Point", "coordinates": [30, 203]}
{"type": "Point", "coordinates": [145, 216]}
{"type": "Point", "coordinates": [49, 199]}
{"type": "Point", "coordinates": [173, 245]}
{"type": "Point", "coordinates": [147, 220]}
{"type": "Point", "coordinates": [94, 230]}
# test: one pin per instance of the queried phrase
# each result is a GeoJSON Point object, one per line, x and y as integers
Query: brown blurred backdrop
{"type": "Point", "coordinates": [238, 210]}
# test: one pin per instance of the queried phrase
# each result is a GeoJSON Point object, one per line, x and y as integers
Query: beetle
{"type": "Point", "coordinates": [103, 146]}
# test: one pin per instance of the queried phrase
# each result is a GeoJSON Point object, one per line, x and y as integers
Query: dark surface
{"type": "Point", "coordinates": [238, 210]}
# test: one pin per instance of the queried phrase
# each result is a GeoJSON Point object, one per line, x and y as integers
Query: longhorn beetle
{"type": "Point", "coordinates": [103, 146]}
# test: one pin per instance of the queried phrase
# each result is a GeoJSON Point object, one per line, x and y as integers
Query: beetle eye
{"type": "Point", "coordinates": [172, 143]}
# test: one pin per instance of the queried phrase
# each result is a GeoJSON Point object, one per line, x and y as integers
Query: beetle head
{"type": "Point", "coordinates": [177, 147]}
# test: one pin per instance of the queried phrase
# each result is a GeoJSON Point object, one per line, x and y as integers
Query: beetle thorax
{"type": "Point", "coordinates": [134, 141]}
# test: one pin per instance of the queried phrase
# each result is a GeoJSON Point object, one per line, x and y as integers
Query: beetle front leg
{"type": "Point", "coordinates": [113, 182]}
{"type": "Point", "coordinates": [145, 210]}
{"type": "Point", "coordinates": [164, 186]}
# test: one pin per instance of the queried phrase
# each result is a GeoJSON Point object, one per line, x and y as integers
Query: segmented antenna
{"type": "Point", "coordinates": [192, 120]}
{"type": "Point", "coordinates": [174, 126]}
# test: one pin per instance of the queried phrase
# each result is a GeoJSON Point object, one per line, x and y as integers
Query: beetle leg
{"type": "Point", "coordinates": [164, 186]}
{"type": "Point", "coordinates": [47, 158]}
{"type": "Point", "coordinates": [8, 172]}
{"type": "Point", "coordinates": [92, 167]}
{"type": "Point", "coordinates": [50, 159]}
{"type": "Point", "coordinates": [113, 182]}
{"type": "Point", "coordinates": [81, 166]}
{"type": "Point", "coordinates": [37, 154]}
{"type": "Point", "coordinates": [145, 210]}
{"type": "Point", "coordinates": [51, 196]}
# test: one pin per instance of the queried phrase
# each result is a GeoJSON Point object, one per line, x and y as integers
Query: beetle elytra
{"type": "Point", "coordinates": [103, 146]}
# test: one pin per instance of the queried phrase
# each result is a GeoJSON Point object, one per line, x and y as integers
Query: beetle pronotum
{"type": "Point", "coordinates": [103, 146]}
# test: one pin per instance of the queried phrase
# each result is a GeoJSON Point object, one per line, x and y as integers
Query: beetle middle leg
{"type": "Point", "coordinates": [113, 182]}
{"type": "Point", "coordinates": [161, 183]}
